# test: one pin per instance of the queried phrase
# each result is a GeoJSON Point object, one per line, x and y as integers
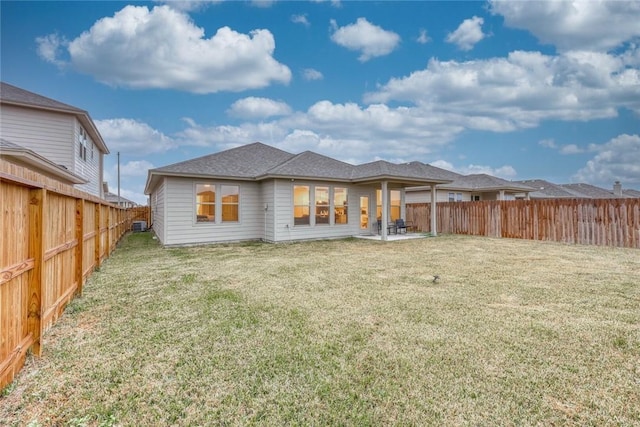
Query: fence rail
{"type": "Point", "coordinates": [603, 222]}
{"type": "Point", "coordinates": [53, 237]}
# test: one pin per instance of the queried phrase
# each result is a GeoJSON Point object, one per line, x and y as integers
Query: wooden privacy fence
{"type": "Point", "coordinates": [604, 222]}
{"type": "Point", "coordinates": [53, 237]}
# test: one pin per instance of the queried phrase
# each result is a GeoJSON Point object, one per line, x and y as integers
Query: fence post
{"type": "Point", "coordinates": [37, 202]}
{"type": "Point", "coordinates": [98, 236]}
{"type": "Point", "coordinates": [79, 273]}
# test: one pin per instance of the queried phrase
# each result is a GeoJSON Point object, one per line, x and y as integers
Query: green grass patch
{"type": "Point", "coordinates": [348, 332]}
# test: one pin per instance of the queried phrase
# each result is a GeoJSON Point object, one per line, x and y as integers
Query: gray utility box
{"type": "Point", "coordinates": [139, 226]}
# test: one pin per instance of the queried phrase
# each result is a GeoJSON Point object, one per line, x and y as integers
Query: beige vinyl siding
{"type": "Point", "coordinates": [88, 169]}
{"type": "Point", "coordinates": [285, 228]}
{"type": "Point", "coordinates": [158, 211]}
{"type": "Point", "coordinates": [49, 134]}
{"type": "Point", "coordinates": [181, 226]}
{"type": "Point", "coordinates": [442, 195]}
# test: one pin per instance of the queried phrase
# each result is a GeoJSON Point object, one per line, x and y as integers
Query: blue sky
{"type": "Point", "coordinates": [519, 89]}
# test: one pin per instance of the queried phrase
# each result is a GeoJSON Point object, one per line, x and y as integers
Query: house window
{"type": "Point", "coordinates": [230, 202]}
{"type": "Point", "coordinates": [452, 197]}
{"type": "Point", "coordinates": [340, 208]}
{"type": "Point", "coordinates": [475, 198]}
{"type": "Point", "coordinates": [205, 203]}
{"type": "Point", "coordinates": [322, 205]}
{"type": "Point", "coordinates": [301, 205]}
{"type": "Point", "coordinates": [395, 204]}
{"type": "Point", "coordinates": [458, 197]}
{"type": "Point", "coordinates": [82, 144]}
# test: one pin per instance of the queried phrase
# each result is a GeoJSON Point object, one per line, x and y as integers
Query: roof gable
{"type": "Point", "coordinates": [313, 165]}
{"type": "Point", "coordinates": [247, 162]}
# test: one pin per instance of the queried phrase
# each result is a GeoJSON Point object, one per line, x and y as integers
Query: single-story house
{"type": "Point", "coordinates": [259, 192]}
{"type": "Point", "coordinates": [548, 190]}
{"type": "Point", "coordinates": [467, 188]}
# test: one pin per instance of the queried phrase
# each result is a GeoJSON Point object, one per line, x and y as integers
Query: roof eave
{"type": "Point", "coordinates": [33, 159]}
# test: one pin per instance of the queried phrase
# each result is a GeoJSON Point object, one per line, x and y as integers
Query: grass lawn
{"type": "Point", "coordinates": [349, 332]}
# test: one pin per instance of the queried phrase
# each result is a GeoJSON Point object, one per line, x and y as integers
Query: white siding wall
{"type": "Point", "coordinates": [158, 211]}
{"type": "Point", "coordinates": [181, 226]}
{"type": "Point", "coordinates": [268, 198]}
{"type": "Point", "coordinates": [47, 133]}
{"type": "Point", "coordinates": [90, 168]}
{"type": "Point", "coordinates": [55, 137]}
{"type": "Point", "coordinates": [285, 230]}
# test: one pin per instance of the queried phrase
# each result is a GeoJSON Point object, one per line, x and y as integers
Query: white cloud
{"type": "Point", "coordinates": [253, 107]}
{"type": "Point", "coordinates": [617, 160]}
{"type": "Point", "coordinates": [574, 24]}
{"type": "Point", "coordinates": [519, 91]}
{"type": "Point", "coordinates": [132, 137]}
{"type": "Point", "coordinates": [50, 48]}
{"type": "Point", "coordinates": [189, 5]}
{"type": "Point", "coordinates": [311, 74]}
{"type": "Point", "coordinates": [423, 38]}
{"type": "Point", "coordinates": [571, 149]}
{"type": "Point", "coordinates": [504, 172]}
{"type": "Point", "coordinates": [468, 33]}
{"type": "Point", "coordinates": [135, 168]}
{"type": "Point", "coordinates": [548, 143]}
{"type": "Point", "coordinates": [300, 19]}
{"type": "Point", "coordinates": [169, 51]}
{"type": "Point", "coordinates": [371, 40]}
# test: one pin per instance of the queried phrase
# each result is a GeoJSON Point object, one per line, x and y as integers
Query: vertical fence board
{"type": "Point", "coordinates": [604, 222]}
{"type": "Point", "coordinates": [53, 237]}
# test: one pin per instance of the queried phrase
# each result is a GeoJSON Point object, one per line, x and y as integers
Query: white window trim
{"type": "Point", "coordinates": [217, 204]}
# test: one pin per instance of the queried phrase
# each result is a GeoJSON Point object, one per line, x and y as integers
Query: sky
{"type": "Point", "coordinates": [516, 89]}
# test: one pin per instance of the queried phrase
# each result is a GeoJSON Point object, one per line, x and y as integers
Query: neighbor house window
{"type": "Point", "coordinates": [475, 198]}
{"type": "Point", "coordinates": [82, 144]}
{"type": "Point", "coordinates": [230, 202]}
{"type": "Point", "coordinates": [340, 207]}
{"type": "Point", "coordinates": [301, 205]}
{"type": "Point", "coordinates": [452, 197]}
{"type": "Point", "coordinates": [205, 202]}
{"type": "Point", "coordinates": [395, 204]}
{"type": "Point", "coordinates": [322, 205]}
{"type": "Point", "coordinates": [458, 197]}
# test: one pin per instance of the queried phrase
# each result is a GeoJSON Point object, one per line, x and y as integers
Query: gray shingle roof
{"type": "Point", "coordinates": [547, 190]}
{"type": "Point", "coordinates": [590, 191]}
{"type": "Point", "coordinates": [259, 161]}
{"type": "Point", "coordinates": [631, 192]}
{"type": "Point", "coordinates": [248, 162]}
{"type": "Point", "coordinates": [408, 171]}
{"type": "Point", "coordinates": [16, 95]}
{"type": "Point", "coordinates": [313, 165]}
{"type": "Point", "coordinates": [8, 144]}
{"type": "Point", "coordinates": [484, 182]}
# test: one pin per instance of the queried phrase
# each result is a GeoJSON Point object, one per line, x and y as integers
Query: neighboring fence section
{"type": "Point", "coordinates": [604, 222]}
{"type": "Point", "coordinates": [53, 237]}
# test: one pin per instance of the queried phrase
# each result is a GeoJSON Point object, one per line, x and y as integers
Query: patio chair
{"type": "Point", "coordinates": [401, 225]}
{"type": "Point", "coordinates": [391, 227]}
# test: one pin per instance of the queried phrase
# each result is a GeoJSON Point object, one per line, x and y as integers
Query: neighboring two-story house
{"type": "Point", "coordinates": [56, 139]}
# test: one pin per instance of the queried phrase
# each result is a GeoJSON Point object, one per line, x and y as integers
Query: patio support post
{"type": "Point", "coordinates": [434, 215]}
{"type": "Point", "coordinates": [384, 219]}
